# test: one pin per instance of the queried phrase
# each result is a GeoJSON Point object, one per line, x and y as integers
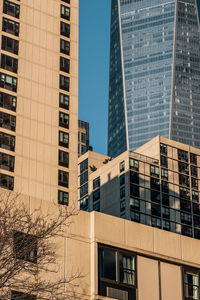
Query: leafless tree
{"type": "Point", "coordinates": [28, 260]}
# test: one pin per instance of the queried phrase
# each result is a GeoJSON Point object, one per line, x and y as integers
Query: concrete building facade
{"type": "Point", "coordinates": [157, 185]}
{"type": "Point", "coordinates": [39, 98]}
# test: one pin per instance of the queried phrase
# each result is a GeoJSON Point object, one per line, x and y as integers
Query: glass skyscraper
{"type": "Point", "coordinates": [154, 86]}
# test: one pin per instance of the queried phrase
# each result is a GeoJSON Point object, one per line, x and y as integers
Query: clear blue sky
{"type": "Point", "coordinates": [94, 45]}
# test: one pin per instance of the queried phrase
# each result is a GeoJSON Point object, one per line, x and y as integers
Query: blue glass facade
{"type": "Point", "coordinates": [158, 42]}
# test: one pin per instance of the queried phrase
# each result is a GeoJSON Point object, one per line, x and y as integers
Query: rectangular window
{"type": "Point", "coordinates": [64, 101]}
{"type": "Point", "coordinates": [7, 121]}
{"type": "Point", "coordinates": [64, 139]}
{"type": "Point", "coordinates": [96, 206]}
{"type": "Point", "coordinates": [84, 203]}
{"type": "Point", "coordinates": [64, 47]}
{"type": "Point", "coordinates": [164, 174]}
{"type": "Point", "coordinates": [96, 183]}
{"type": "Point", "coordinates": [65, 29]}
{"type": "Point", "coordinates": [191, 284]}
{"type": "Point", "coordinates": [21, 296]}
{"type": "Point", "coordinates": [155, 222]}
{"type": "Point", "coordinates": [65, 12]}
{"type": "Point", "coordinates": [182, 155]}
{"type": "Point", "coordinates": [164, 161]}
{"type": "Point", "coordinates": [64, 83]}
{"type": "Point", "coordinates": [122, 205]}
{"type": "Point", "coordinates": [8, 101]}
{"type": "Point", "coordinates": [83, 190]}
{"type": "Point", "coordinates": [7, 162]}
{"type": "Point", "coordinates": [7, 141]}
{"type": "Point", "coordinates": [83, 165]}
{"type": "Point", "coordinates": [63, 197]}
{"type": "Point", "coordinates": [134, 177]}
{"type": "Point", "coordinates": [122, 179]}
{"type": "Point", "coordinates": [63, 120]}
{"type": "Point", "coordinates": [155, 209]}
{"type": "Point", "coordinates": [64, 64]}
{"type": "Point", "coordinates": [25, 246]}
{"type": "Point", "coordinates": [6, 181]}
{"type": "Point", "coordinates": [84, 178]}
{"type": "Point", "coordinates": [11, 9]}
{"type": "Point", "coordinates": [63, 158]}
{"type": "Point", "coordinates": [8, 82]}
{"type": "Point", "coordinates": [134, 190]}
{"type": "Point", "coordinates": [195, 196]}
{"type": "Point", "coordinates": [135, 204]}
{"type": "Point", "coordinates": [117, 273]}
{"type": "Point", "coordinates": [193, 158]}
{"type": "Point", "coordinates": [154, 171]}
{"type": "Point", "coordinates": [66, 1]}
{"type": "Point", "coordinates": [155, 184]}
{"type": "Point", "coordinates": [186, 218]}
{"type": "Point", "coordinates": [96, 195]}
{"type": "Point", "coordinates": [194, 171]}
{"type": "Point", "coordinates": [184, 193]}
{"type": "Point", "coordinates": [122, 166]}
{"type": "Point", "coordinates": [9, 63]}
{"type": "Point", "coordinates": [165, 187]}
{"type": "Point", "coordinates": [135, 216]}
{"type": "Point", "coordinates": [10, 26]}
{"type": "Point", "coordinates": [122, 192]}
{"type": "Point", "coordinates": [184, 180]}
{"type": "Point", "coordinates": [194, 183]}
{"type": "Point", "coordinates": [10, 45]}
{"type": "Point", "coordinates": [63, 178]}
{"type": "Point", "coordinates": [183, 167]}
{"type": "Point", "coordinates": [155, 196]}
{"type": "Point", "coordinates": [163, 148]}
{"type": "Point", "coordinates": [134, 164]}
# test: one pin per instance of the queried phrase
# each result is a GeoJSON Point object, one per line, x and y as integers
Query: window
{"type": "Point", "coordinates": [185, 205]}
{"type": "Point", "coordinates": [182, 155]}
{"type": "Point", "coordinates": [166, 225]}
{"type": "Point", "coordinates": [96, 183]}
{"type": "Point", "coordinates": [135, 203]}
{"type": "Point", "coordinates": [65, 12]}
{"type": "Point", "coordinates": [83, 165]}
{"type": "Point", "coordinates": [184, 180]}
{"type": "Point", "coordinates": [164, 161]}
{"type": "Point", "coordinates": [122, 179]}
{"type": "Point", "coordinates": [165, 187]}
{"type": "Point", "coordinates": [96, 206]}
{"type": "Point", "coordinates": [186, 230]}
{"type": "Point", "coordinates": [194, 183]}
{"type": "Point", "coordinates": [155, 196]}
{"type": "Point", "coordinates": [166, 212]}
{"type": "Point", "coordinates": [122, 205]}
{"type": "Point", "coordinates": [186, 218]}
{"type": "Point", "coordinates": [155, 209]}
{"type": "Point", "coordinates": [194, 171]}
{"type": "Point", "coordinates": [154, 171]}
{"type": "Point", "coordinates": [134, 177]}
{"type": "Point", "coordinates": [10, 45]}
{"type": "Point", "coordinates": [64, 83]}
{"type": "Point", "coordinates": [63, 139]}
{"type": "Point", "coordinates": [117, 273]}
{"type": "Point", "coordinates": [83, 178]}
{"type": "Point", "coordinates": [84, 203]}
{"type": "Point", "coordinates": [11, 9]}
{"type": "Point", "coordinates": [6, 181]}
{"type": "Point", "coordinates": [7, 121]}
{"type": "Point", "coordinates": [164, 174]}
{"type": "Point", "coordinates": [63, 197]}
{"type": "Point", "coordinates": [195, 196]}
{"type": "Point", "coordinates": [7, 162]}
{"type": "Point", "coordinates": [134, 164]}
{"type": "Point", "coordinates": [184, 193]}
{"type": "Point", "coordinates": [135, 216]}
{"type": "Point", "coordinates": [155, 222]}
{"type": "Point", "coordinates": [63, 178]}
{"type": "Point", "coordinates": [21, 296]}
{"type": "Point", "coordinates": [9, 63]}
{"type": "Point", "coordinates": [10, 27]}
{"type": "Point", "coordinates": [134, 190]}
{"type": "Point", "coordinates": [65, 29]}
{"type": "Point", "coordinates": [122, 166]}
{"type": "Point", "coordinates": [65, 47]}
{"type": "Point", "coordinates": [7, 141]}
{"type": "Point", "coordinates": [63, 120]}
{"type": "Point", "coordinates": [163, 148]}
{"type": "Point", "coordinates": [193, 158]}
{"type": "Point", "coordinates": [64, 64]}
{"type": "Point", "coordinates": [63, 158]}
{"type": "Point", "coordinates": [64, 101]}
{"type": "Point", "coordinates": [191, 284]}
{"type": "Point", "coordinates": [122, 192]}
{"type": "Point", "coordinates": [83, 137]}
{"type": "Point", "coordinates": [165, 199]}
{"type": "Point", "coordinates": [25, 246]}
{"type": "Point", "coordinates": [96, 195]}
{"type": "Point", "coordinates": [83, 190]}
{"type": "Point", "coordinates": [8, 82]}
{"type": "Point", "coordinates": [67, 1]}
{"type": "Point", "coordinates": [183, 167]}
{"type": "Point", "coordinates": [8, 101]}
{"type": "Point", "coordinates": [155, 183]}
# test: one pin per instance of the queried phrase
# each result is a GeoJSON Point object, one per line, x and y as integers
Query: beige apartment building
{"type": "Point", "coordinates": [39, 98]}
{"type": "Point", "coordinates": [157, 185]}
